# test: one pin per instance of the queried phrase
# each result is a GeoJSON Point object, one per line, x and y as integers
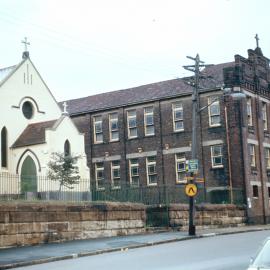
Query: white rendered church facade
{"type": "Point", "coordinates": [33, 127]}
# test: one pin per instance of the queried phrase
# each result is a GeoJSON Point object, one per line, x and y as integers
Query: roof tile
{"type": "Point", "coordinates": [33, 134]}
{"type": "Point", "coordinates": [145, 93]}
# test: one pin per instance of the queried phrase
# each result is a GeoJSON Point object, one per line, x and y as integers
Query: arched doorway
{"type": "Point", "coordinates": [28, 175]}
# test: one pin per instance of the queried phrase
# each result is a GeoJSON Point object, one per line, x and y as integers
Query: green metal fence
{"type": "Point", "coordinates": [13, 188]}
{"type": "Point", "coordinates": [164, 195]}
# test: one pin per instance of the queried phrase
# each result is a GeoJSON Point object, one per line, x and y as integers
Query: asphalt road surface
{"type": "Point", "coordinates": [232, 252]}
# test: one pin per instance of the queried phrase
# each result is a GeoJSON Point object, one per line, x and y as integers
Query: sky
{"type": "Point", "coordinates": [86, 47]}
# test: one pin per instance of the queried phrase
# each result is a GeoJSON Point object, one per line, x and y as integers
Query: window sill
{"type": "Point", "coordinates": [217, 167]}
{"type": "Point", "coordinates": [214, 126]}
{"type": "Point", "coordinates": [181, 182]}
{"type": "Point", "coordinates": [132, 138]}
{"type": "Point", "coordinates": [149, 135]}
{"type": "Point", "coordinates": [178, 131]}
{"type": "Point", "coordinates": [98, 142]}
{"type": "Point", "coordinates": [152, 185]}
{"type": "Point", "coordinates": [112, 141]}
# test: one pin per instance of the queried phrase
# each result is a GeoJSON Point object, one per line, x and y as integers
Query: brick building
{"type": "Point", "coordinates": [142, 136]}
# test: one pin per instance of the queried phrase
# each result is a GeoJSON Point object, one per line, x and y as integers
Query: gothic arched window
{"type": "Point", "coordinates": [67, 148]}
{"type": "Point", "coordinates": [4, 147]}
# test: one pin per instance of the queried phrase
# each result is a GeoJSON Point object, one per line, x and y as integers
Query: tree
{"type": "Point", "coordinates": [62, 168]}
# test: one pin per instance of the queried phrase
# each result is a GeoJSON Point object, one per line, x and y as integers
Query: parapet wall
{"type": "Point", "coordinates": [35, 223]}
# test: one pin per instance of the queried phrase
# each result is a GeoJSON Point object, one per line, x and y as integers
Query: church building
{"type": "Point", "coordinates": [33, 127]}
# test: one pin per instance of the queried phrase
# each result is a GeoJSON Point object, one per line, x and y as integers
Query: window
{"type": "Point", "coordinates": [114, 133]}
{"type": "Point", "coordinates": [216, 156]}
{"type": "Point", "coordinates": [149, 128]}
{"type": "Point", "coordinates": [115, 174]}
{"type": "Point", "coordinates": [100, 180]}
{"type": "Point", "coordinates": [178, 120]}
{"type": "Point", "coordinates": [268, 188]}
{"type": "Point", "coordinates": [180, 165]}
{"type": "Point", "coordinates": [255, 191]}
{"type": "Point", "coordinates": [214, 111]}
{"type": "Point", "coordinates": [151, 171]}
{"type": "Point", "coordinates": [27, 109]}
{"type": "Point", "coordinates": [67, 148]}
{"type": "Point", "coordinates": [264, 116]}
{"type": "Point", "coordinates": [267, 157]}
{"type": "Point", "coordinates": [252, 155]}
{"type": "Point", "coordinates": [249, 111]}
{"type": "Point", "coordinates": [4, 147]}
{"type": "Point", "coordinates": [134, 172]}
{"type": "Point", "coordinates": [132, 124]}
{"type": "Point", "coordinates": [98, 129]}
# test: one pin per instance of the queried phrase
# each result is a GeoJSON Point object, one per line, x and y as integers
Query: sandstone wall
{"type": "Point", "coordinates": [208, 215]}
{"type": "Point", "coordinates": [35, 223]}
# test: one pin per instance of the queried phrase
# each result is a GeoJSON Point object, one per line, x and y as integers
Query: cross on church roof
{"type": "Point", "coordinates": [257, 40]}
{"type": "Point", "coordinates": [64, 108]}
{"type": "Point", "coordinates": [25, 43]}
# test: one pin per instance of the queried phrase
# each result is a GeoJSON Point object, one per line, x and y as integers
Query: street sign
{"type": "Point", "coordinates": [193, 165]}
{"type": "Point", "coordinates": [191, 190]}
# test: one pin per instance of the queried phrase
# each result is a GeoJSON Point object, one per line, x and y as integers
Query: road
{"type": "Point", "coordinates": [230, 252]}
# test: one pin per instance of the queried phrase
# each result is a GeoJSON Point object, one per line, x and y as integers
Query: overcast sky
{"type": "Point", "coordinates": [82, 48]}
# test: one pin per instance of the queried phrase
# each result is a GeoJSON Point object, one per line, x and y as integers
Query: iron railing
{"type": "Point", "coordinates": [15, 187]}
{"type": "Point", "coordinates": [164, 195]}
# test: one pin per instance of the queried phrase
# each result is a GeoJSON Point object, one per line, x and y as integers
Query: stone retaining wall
{"type": "Point", "coordinates": [34, 223]}
{"type": "Point", "coordinates": [31, 223]}
{"type": "Point", "coordinates": [208, 215]}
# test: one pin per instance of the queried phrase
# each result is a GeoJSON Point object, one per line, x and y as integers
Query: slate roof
{"type": "Point", "coordinates": [4, 72]}
{"type": "Point", "coordinates": [145, 93]}
{"type": "Point", "coordinates": [33, 134]}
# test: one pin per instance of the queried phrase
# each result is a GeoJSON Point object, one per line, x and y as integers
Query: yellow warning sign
{"type": "Point", "coordinates": [191, 190]}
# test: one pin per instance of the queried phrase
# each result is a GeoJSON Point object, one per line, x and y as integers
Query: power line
{"type": "Point", "coordinates": [76, 44]}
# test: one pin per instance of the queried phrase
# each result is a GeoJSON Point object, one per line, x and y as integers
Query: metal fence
{"type": "Point", "coordinates": [15, 187]}
{"type": "Point", "coordinates": [164, 195]}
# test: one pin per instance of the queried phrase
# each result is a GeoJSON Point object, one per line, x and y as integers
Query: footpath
{"type": "Point", "coordinates": [30, 255]}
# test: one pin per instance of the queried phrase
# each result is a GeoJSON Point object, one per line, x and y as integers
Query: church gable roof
{"type": "Point", "coordinates": [5, 72]}
{"type": "Point", "coordinates": [33, 134]}
{"type": "Point", "coordinates": [146, 93]}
